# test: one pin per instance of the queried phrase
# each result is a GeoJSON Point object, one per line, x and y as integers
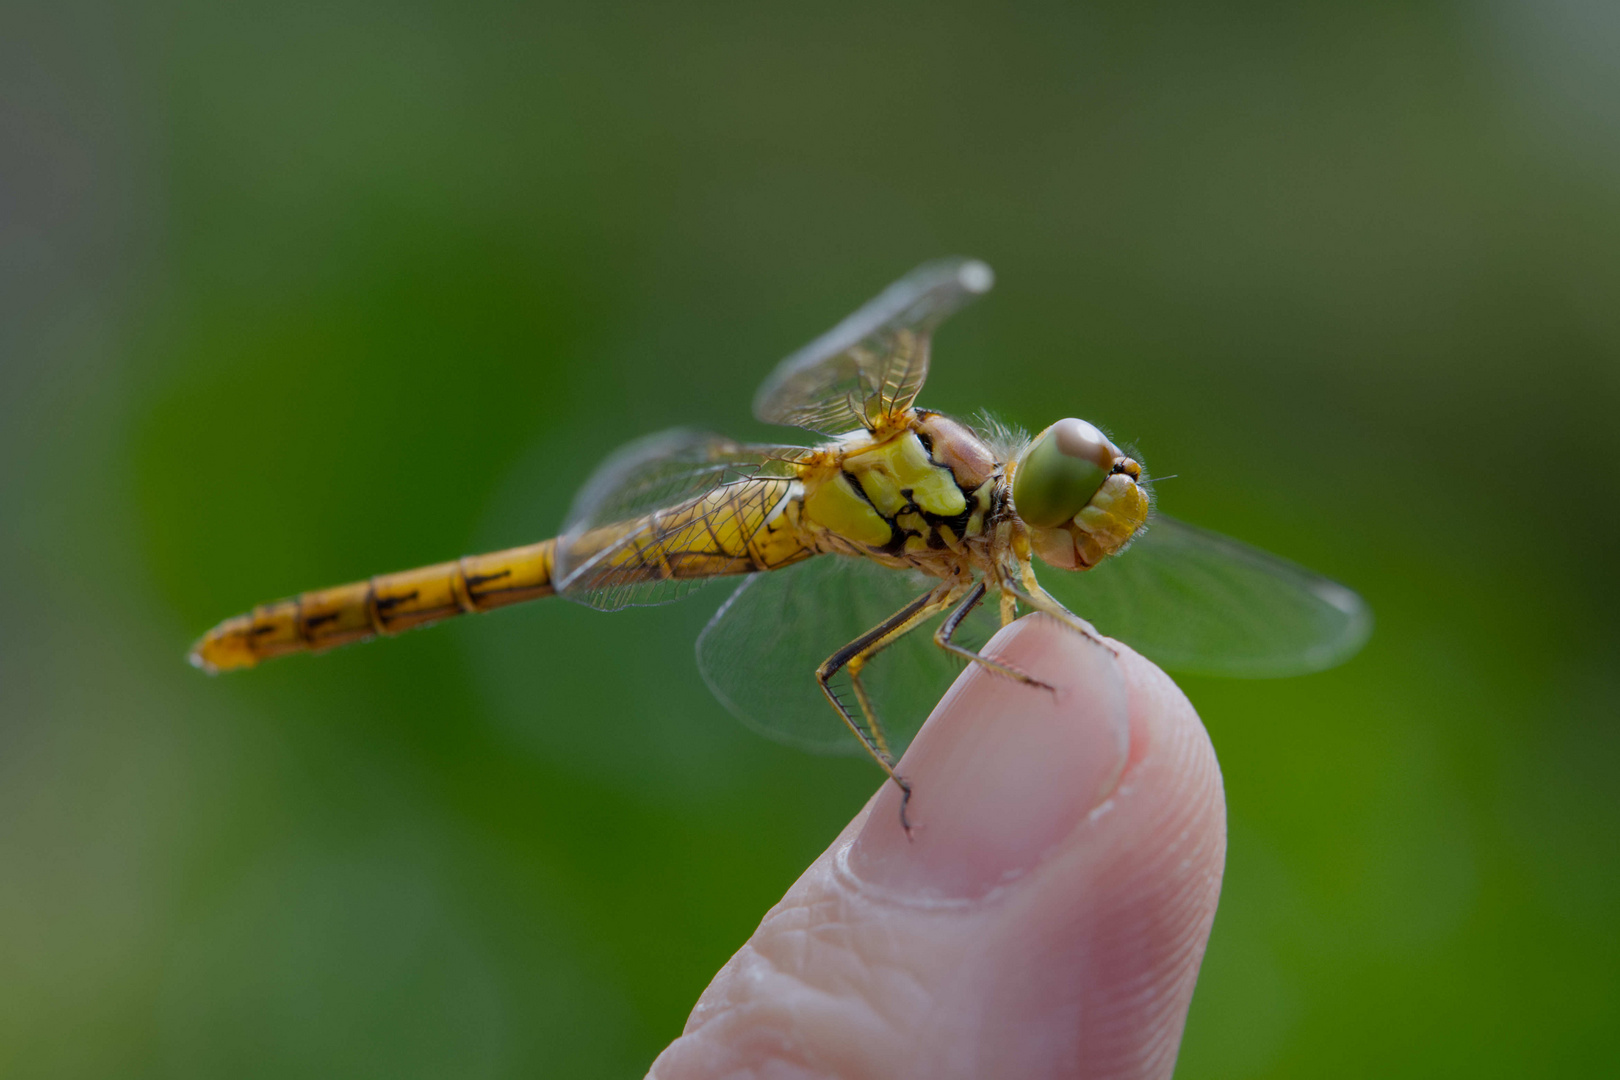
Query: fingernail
{"type": "Point", "coordinates": [1002, 771]}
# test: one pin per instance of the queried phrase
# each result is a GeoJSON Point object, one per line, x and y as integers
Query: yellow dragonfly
{"type": "Point", "coordinates": [896, 516]}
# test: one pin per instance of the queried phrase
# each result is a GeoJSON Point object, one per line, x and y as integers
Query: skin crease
{"type": "Point", "coordinates": [1047, 919]}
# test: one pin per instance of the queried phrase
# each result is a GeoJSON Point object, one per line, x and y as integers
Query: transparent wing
{"type": "Point", "coordinates": [667, 513]}
{"type": "Point", "coordinates": [875, 361]}
{"type": "Point", "coordinates": [760, 652]}
{"type": "Point", "coordinates": [1199, 602]}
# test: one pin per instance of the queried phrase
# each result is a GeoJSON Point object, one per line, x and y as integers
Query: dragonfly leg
{"type": "Point", "coordinates": [874, 726]}
{"type": "Point", "coordinates": [1009, 607]}
{"type": "Point", "coordinates": [947, 630]}
{"type": "Point", "coordinates": [1044, 602]}
{"type": "Point", "coordinates": [856, 655]}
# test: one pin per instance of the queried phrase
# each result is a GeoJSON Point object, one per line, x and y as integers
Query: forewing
{"type": "Point", "coordinates": [760, 652]}
{"type": "Point", "coordinates": [658, 503]}
{"type": "Point", "coordinates": [875, 361]}
{"type": "Point", "coordinates": [1199, 602]}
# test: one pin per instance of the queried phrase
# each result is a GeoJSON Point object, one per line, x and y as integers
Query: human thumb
{"type": "Point", "coordinates": [1047, 917]}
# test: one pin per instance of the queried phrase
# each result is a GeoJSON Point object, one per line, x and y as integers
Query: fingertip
{"type": "Point", "coordinates": [1003, 769]}
{"type": "Point", "coordinates": [1081, 963]}
{"type": "Point", "coordinates": [1149, 863]}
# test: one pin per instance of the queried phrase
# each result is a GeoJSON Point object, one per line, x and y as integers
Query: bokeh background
{"type": "Point", "coordinates": [291, 294]}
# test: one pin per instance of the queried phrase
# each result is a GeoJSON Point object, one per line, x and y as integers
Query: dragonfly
{"type": "Point", "coordinates": [888, 519]}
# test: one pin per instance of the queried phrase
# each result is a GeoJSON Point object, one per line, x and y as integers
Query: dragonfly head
{"type": "Point", "coordinates": [1079, 494]}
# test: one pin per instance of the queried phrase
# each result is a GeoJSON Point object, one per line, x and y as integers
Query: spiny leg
{"type": "Point", "coordinates": [947, 631]}
{"type": "Point", "coordinates": [1044, 602]}
{"type": "Point", "coordinates": [873, 725]}
{"type": "Point", "coordinates": [940, 599]}
{"type": "Point", "coordinates": [855, 655]}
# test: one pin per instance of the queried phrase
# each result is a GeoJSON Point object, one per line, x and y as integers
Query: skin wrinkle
{"type": "Point", "coordinates": [806, 999]}
{"type": "Point", "coordinates": [850, 933]}
{"type": "Point", "coordinates": [1081, 967]}
{"type": "Point", "coordinates": [752, 1035]}
{"type": "Point", "coordinates": [883, 969]}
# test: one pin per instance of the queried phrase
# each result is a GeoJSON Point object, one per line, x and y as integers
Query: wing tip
{"type": "Point", "coordinates": [1358, 615]}
{"type": "Point", "coordinates": [975, 276]}
{"type": "Point", "coordinates": [923, 298]}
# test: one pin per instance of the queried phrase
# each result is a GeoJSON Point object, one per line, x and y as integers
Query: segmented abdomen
{"type": "Point", "coordinates": [386, 604]}
{"type": "Point", "coordinates": [735, 529]}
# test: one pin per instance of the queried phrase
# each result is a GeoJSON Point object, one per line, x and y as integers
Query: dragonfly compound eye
{"type": "Point", "coordinates": [1060, 471]}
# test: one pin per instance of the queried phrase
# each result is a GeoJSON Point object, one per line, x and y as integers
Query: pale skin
{"type": "Point", "coordinates": [1046, 917]}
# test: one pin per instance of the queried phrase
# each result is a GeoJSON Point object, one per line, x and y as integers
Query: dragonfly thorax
{"type": "Point", "coordinates": [921, 490]}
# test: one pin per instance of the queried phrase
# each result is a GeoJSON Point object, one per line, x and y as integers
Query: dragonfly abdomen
{"type": "Point", "coordinates": [385, 604]}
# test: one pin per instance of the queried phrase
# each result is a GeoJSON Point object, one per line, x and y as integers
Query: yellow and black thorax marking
{"type": "Point", "coordinates": [896, 497]}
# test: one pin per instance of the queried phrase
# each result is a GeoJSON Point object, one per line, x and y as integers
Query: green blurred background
{"type": "Point", "coordinates": [292, 294]}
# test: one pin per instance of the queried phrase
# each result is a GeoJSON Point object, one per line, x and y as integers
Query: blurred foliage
{"type": "Point", "coordinates": [291, 294]}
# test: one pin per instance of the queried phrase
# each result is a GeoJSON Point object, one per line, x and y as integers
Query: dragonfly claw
{"type": "Point", "coordinates": [905, 798]}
